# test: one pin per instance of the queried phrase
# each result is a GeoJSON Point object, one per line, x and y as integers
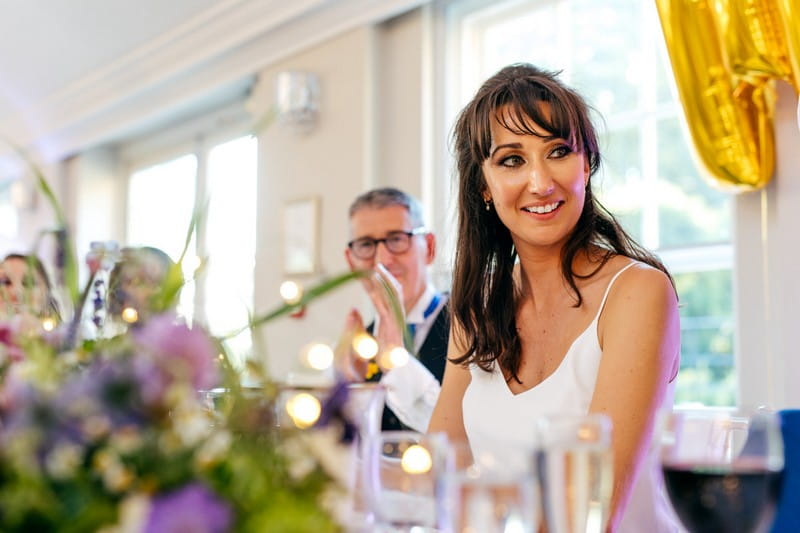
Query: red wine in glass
{"type": "Point", "coordinates": [722, 468]}
{"type": "Point", "coordinates": [714, 499]}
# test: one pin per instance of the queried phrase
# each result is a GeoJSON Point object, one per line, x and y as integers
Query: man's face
{"type": "Point", "coordinates": [409, 267]}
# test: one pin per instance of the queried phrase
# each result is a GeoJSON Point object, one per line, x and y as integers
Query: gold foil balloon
{"type": "Point", "coordinates": [730, 122]}
{"type": "Point", "coordinates": [789, 11]}
{"type": "Point", "coordinates": [752, 38]}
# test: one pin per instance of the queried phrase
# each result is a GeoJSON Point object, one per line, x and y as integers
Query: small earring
{"type": "Point", "coordinates": [488, 203]}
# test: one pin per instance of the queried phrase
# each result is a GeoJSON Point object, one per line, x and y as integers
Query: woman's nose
{"type": "Point", "coordinates": [540, 182]}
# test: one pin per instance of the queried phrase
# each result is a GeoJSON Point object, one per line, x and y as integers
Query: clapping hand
{"type": "Point", "coordinates": [385, 292]}
{"type": "Point", "coordinates": [348, 363]}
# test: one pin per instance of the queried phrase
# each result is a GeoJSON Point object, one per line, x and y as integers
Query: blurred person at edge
{"type": "Point", "coordinates": [136, 278]}
{"type": "Point", "coordinates": [388, 236]}
{"type": "Point", "coordinates": [555, 309]}
{"type": "Point", "coordinates": [25, 288]}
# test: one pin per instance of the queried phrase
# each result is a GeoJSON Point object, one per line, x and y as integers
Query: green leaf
{"type": "Point", "coordinates": [309, 296]}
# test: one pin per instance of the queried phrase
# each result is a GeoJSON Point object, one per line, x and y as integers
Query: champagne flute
{"type": "Point", "coordinates": [722, 468]}
{"type": "Point", "coordinates": [574, 466]}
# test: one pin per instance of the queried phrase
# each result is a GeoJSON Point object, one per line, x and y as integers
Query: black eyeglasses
{"type": "Point", "coordinates": [397, 242]}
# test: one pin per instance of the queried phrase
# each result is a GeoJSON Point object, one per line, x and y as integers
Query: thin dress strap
{"type": "Point", "coordinates": [608, 289]}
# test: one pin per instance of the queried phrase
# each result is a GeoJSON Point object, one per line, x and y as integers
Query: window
{"type": "Point", "coordinates": [613, 53]}
{"type": "Point", "coordinates": [230, 238]}
{"type": "Point", "coordinates": [161, 199]}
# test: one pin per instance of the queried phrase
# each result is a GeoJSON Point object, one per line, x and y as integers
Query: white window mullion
{"type": "Point", "coordinates": [649, 144]}
{"type": "Point", "coordinates": [201, 250]}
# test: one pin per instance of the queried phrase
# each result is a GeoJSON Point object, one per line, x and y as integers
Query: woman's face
{"type": "Point", "coordinates": [22, 288]}
{"type": "Point", "coordinates": [537, 185]}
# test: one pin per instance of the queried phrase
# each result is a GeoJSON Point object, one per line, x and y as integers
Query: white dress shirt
{"type": "Point", "coordinates": [411, 390]}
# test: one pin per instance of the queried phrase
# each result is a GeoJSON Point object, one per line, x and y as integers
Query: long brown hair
{"type": "Point", "coordinates": [484, 299]}
{"type": "Point", "coordinates": [33, 263]}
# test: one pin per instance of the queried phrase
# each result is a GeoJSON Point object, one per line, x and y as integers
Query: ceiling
{"type": "Point", "coordinates": [75, 73]}
{"type": "Point", "coordinates": [48, 45]}
{"type": "Point", "coordinates": [52, 51]}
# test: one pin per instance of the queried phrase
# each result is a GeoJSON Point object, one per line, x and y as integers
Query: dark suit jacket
{"type": "Point", "coordinates": [432, 354]}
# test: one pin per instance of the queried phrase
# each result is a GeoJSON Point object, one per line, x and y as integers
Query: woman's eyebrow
{"type": "Point", "coordinates": [507, 145]}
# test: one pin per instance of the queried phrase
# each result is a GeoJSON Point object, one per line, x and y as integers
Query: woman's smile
{"type": "Point", "coordinates": [543, 209]}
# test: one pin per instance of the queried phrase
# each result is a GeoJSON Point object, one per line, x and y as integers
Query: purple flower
{"type": "Point", "coordinates": [333, 410]}
{"type": "Point", "coordinates": [15, 393]}
{"type": "Point", "coordinates": [114, 389]}
{"type": "Point", "coordinates": [185, 353]}
{"type": "Point", "coordinates": [191, 509]}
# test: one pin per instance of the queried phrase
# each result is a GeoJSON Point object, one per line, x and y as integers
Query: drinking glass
{"type": "Point", "coordinates": [722, 468]}
{"type": "Point", "coordinates": [574, 467]}
{"type": "Point", "coordinates": [401, 473]}
{"type": "Point", "coordinates": [487, 493]}
{"type": "Point", "coordinates": [301, 407]}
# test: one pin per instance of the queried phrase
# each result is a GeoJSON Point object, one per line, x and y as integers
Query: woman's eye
{"type": "Point", "coordinates": [560, 151]}
{"type": "Point", "coordinates": [511, 161]}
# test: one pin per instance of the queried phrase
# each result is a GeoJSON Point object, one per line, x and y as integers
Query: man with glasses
{"type": "Point", "coordinates": [388, 234]}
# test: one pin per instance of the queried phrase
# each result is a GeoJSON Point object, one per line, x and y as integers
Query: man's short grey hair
{"type": "Point", "coordinates": [386, 197]}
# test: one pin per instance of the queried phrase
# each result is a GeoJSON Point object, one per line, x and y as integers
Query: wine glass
{"type": "Point", "coordinates": [574, 466]}
{"type": "Point", "coordinates": [722, 468]}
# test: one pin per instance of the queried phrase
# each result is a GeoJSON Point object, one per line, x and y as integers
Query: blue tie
{"type": "Point", "coordinates": [412, 328]}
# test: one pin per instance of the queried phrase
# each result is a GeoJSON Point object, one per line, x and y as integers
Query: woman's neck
{"type": "Point", "coordinates": [541, 279]}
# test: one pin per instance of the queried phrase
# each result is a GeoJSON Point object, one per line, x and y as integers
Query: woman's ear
{"type": "Point", "coordinates": [586, 172]}
{"type": "Point", "coordinates": [430, 244]}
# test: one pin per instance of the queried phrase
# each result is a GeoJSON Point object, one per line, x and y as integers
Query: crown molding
{"type": "Point", "coordinates": [213, 53]}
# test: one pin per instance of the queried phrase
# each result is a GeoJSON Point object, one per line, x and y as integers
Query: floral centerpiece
{"type": "Point", "coordinates": [116, 434]}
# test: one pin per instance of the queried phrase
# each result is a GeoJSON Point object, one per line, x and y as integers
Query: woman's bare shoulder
{"type": "Point", "coordinates": [640, 289]}
{"type": "Point", "coordinates": [641, 276]}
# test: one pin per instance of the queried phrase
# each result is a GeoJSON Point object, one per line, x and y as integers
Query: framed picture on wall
{"type": "Point", "coordinates": [301, 236]}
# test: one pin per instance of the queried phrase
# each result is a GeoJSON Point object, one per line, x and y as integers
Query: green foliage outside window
{"type": "Point", "coordinates": [707, 373]}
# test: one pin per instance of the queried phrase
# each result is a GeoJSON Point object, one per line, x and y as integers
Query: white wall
{"type": "Point", "coordinates": [767, 267]}
{"type": "Point", "coordinates": [96, 198]}
{"type": "Point", "coordinates": [36, 219]}
{"type": "Point", "coordinates": [369, 134]}
{"type": "Point", "coordinates": [329, 162]}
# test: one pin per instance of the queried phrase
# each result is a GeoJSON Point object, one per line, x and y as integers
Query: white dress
{"type": "Point", "coordinates": [500, 424]}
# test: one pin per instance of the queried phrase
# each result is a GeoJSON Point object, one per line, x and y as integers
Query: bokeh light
{"type": "Point", "coordinates": [130, 315]}
{"type": "Point", "coordinates": [394, 358]}
{"type": "Point", "coordinates": [365, 346]}
{"type": "Point", "coordinates": [291, 292]}
{"type": "Point", "coordinates": [304, 409]}
{"type": "Point", "coordinates": [319, 356]}
{"type": "Point", "coordinates": [416, 460]}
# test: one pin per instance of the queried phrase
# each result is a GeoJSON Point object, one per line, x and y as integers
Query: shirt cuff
{"type": "Point", "coordinates": [411, 392]}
